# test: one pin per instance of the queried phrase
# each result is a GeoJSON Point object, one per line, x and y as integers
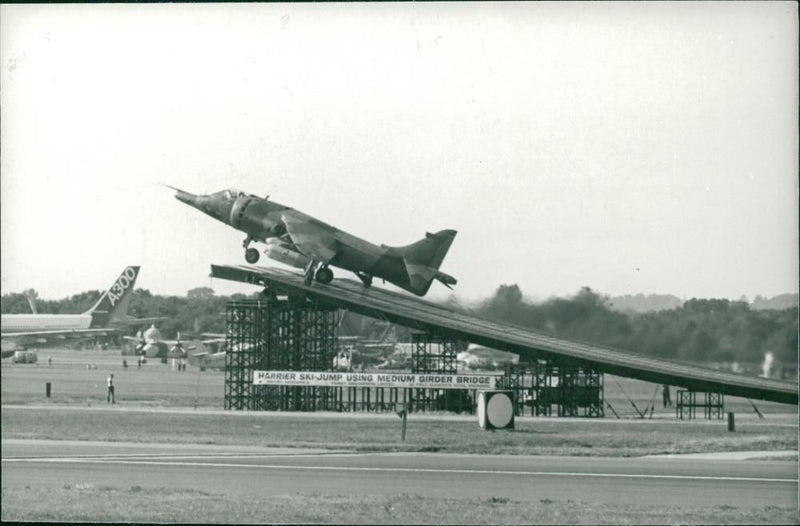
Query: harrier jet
{"type": "Point", "coordinates": [302, 241]}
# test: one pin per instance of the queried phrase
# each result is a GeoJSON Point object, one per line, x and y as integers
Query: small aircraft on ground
{"type": "Point", "coordinates": [151, 344]}
{"type": "Point", "coordinates": [207, 360]}
{"type": "Point", "coordinates": [302, 241]}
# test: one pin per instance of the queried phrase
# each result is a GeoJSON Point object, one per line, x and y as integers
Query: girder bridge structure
{"type": "Point", "coordinates": [446, 324]}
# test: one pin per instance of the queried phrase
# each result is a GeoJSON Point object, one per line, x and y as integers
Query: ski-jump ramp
{"type": "Point", "coordinates": [437, 319]}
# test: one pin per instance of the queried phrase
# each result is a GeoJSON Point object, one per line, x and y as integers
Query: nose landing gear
{"type": "Point", "coordinates": [251, 255]}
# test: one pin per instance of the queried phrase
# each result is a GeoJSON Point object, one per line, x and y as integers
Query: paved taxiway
{"type": "Point", "coordinates": [278, 471]}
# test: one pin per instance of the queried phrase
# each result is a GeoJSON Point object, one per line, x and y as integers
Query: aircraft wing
{"type": "Point", "coordinates": [139, 339]}
{"type": "Point", "coordinates": [311, 237]}
{"type": "Point", "coordinates": [135, 322]}
{"type": "Point", "coordinates": [209, 360]}
{"type": "Point", "coordinates": [50, 338]}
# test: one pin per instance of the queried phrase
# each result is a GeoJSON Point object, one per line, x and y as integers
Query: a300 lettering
{"type": "Point", "coordinates": [122, 284]}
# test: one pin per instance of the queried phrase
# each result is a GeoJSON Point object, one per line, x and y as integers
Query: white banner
{"type": "Point", "coordinates": [337, 379]}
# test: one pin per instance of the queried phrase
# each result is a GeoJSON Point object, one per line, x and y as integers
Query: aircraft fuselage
{"type": "Point", "coordinates": [303, 241]}
{"type": "Point", "coordinates": [12, 323]}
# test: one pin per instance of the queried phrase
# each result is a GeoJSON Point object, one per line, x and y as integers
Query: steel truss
{"type": "Point", "coordinates": [299, 334]}
{"type": "Point", "coordinates": [278, 333]}
{"type": "Point", "coordinates": [435, 354]}
{"type": "Point", "coordinates": [713, 404]}
{"type": "Point", "coordinates": [574, 390]}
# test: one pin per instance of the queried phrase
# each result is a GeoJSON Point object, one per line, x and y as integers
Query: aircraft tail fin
{"type": "Point", "coordinates": [429, 251]}
{"type": "Point", "coordinates": [424, 258]}
{"type": "Point", "coordinates": [114, 302]}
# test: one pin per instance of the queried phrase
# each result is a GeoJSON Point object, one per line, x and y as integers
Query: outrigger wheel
{"type": "Point", "coordinates": [251, 255]}
{"type": "Point", "coordinates": [324, 275]}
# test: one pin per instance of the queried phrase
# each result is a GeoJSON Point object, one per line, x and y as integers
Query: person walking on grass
{"type": "Point", "coordinates": [111, 397]}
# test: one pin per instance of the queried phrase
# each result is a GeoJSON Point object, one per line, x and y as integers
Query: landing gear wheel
{"type": "Point", "coordinates": [324, 275]}
{"type": "Point", "coordinates": [251, 255]}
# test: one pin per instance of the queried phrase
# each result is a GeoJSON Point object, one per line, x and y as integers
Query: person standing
{"type": "Point", "coordinates": [111, 398]}
{"type": "Point", "coordinates": [665, 395]}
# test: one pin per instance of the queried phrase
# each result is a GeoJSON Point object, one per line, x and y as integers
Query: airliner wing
{"type": "Point", "coordinates": [26, 340]}
{"type": "Point", "coordinates": [135, 322]}
{"type": "Point", "coordinates": [311, 237]}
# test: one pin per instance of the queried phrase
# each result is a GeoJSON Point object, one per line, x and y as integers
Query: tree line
{"type": "Point", "coordinates": [701, 330]}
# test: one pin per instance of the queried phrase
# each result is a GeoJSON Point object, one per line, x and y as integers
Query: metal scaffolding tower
{"type": "Point", "coordinates": [581, 392]}
{"type": "Point", "coordinates": [278, 333]}
{"type": "Point", "coordinates": [574, 390]}
{"type": "Point", "coordinates": [435, 354]}
{"type": "Point", "coordinates": [713, 404]}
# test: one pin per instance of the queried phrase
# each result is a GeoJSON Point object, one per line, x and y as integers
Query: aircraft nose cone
{"type": "Point", "coordinates": [186, 197]}
{"type": "Point", "coordinates": [215, 205]}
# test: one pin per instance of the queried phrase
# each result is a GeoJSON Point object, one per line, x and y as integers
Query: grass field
{"type": "Point", "coordinates": [154, 385]}
{"type": "Point", "coordinates": [157, 385]}
{"type": "Point", "coordinates": [171, 505]}
{"type": "Point", "coordinates": [156, 403]}
{"type": "Point", "coordinates": [532, 436]}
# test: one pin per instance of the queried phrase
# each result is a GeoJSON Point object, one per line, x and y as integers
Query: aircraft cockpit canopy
{"type": "Point", "coordinates": [231, 193]}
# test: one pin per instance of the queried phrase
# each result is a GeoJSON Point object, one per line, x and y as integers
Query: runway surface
{"type": "Point", "coordinates": [242, 470]}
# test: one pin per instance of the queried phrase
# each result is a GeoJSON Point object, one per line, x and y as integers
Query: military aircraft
{"type": "Point", "coordinates": [152, 345]}
{"type": "Point", "coordinates": [213, 351]}
{"type": "Point", "coordinates": [107, 316]}
{"type": "Point", "coordinates": [302, 241]}
{"type": "Point", "coordinates": [207, 360]}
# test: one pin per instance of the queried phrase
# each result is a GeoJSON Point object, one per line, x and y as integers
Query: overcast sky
{"type": "Point", "coordinates": [632, 147]}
